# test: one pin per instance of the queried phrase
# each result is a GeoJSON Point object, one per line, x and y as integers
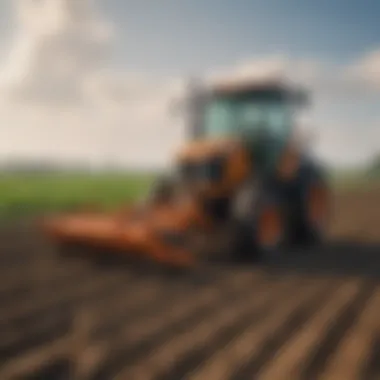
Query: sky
{"type": "Point", "coordinates": [91, 81]}
{"type": "Point", "coordinates": [187, 35]}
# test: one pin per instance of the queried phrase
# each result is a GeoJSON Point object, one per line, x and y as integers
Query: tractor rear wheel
{"type": "Point", "coordinates": [312, 210]}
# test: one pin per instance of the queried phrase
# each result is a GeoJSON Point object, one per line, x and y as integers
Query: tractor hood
{"type": "Point", "coordinates": [205, 148]}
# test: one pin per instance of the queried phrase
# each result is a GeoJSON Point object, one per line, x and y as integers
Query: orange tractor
{"type": "Point", "coordinates": [242, 186]}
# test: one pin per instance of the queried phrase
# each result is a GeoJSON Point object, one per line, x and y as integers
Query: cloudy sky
{"type": "Point", "coordinates": [91, 81]}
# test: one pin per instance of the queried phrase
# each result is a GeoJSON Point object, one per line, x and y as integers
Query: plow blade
{"type": "Point", "coordinates": [110, 234]}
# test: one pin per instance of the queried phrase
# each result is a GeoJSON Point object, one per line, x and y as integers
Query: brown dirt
{"type": "Point", "coordinates": [309, 315]}
{"type": "Point", "coordinates": [357, 216]}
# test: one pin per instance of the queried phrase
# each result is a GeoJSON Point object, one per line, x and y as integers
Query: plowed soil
{"type": "Point", "coordinates": [311, 315]}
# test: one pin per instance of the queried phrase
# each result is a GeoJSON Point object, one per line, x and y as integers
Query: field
{"type": "Point", "coordinates": [23, 194]}
{"type": "Point", "coordinates": [312, 314]}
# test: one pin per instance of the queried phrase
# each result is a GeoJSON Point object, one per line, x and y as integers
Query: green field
{"type": "Point", "coordinates": [22, 194]}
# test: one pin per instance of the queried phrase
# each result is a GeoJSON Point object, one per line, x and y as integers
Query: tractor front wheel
{"type": "Point", "coordinates": [264, 233]}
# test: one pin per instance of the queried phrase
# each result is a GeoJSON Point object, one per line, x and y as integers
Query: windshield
{"type": "Point", "coordinates": [231, 116]}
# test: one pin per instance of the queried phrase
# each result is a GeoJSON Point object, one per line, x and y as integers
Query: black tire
{"type": "Point", "coordinates": [305, 231]}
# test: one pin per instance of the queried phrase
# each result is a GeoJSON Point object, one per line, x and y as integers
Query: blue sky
{"type": "Point", "coordinates": [185, 36]}
{"type": "Point", "coordinates": [172, 38]}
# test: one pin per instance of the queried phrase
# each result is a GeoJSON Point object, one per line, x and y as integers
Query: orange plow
{"type": "Point", "coordinates": [128, 234]}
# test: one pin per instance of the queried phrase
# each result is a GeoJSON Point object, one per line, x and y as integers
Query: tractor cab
{"type": "Point", "coordinates": [245, 109]}
{"type": "Point", "coordinates": [235, 130]}
{"type": "Point", "coordinates": [249, 110]}
{"type": "Point", "coordinates": [260, 114]}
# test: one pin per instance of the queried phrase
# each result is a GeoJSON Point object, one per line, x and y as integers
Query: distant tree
{"type": "Point", "coordinates": [375, 166]}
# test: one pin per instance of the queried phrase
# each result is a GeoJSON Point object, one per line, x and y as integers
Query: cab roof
{"type": "Point", "coordinates": [268, 87]}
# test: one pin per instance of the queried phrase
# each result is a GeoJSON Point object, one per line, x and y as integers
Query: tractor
{"type": "Point", "coordinates": [243, 187]}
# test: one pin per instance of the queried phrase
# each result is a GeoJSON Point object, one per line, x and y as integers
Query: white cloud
{"type": "Point", "coordinates": [276, 66]}
{"type": "Point", "coordinates": [366, 70]}
{"type": "Point", "coordinates": [60, 100]}
{"type": "Point", "coordinates": [347, 145]}
{"type": "Point", "coordinates": [59, 44]}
